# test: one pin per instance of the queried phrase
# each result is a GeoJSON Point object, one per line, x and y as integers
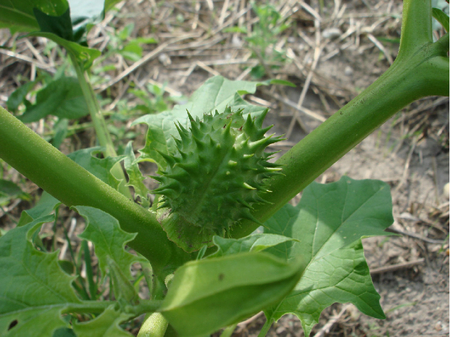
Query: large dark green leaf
{"type": "Point", "coordinates": [19, 13]}
{"type": "Point", "coordinates": [58, 25]}
{"type": "Point", "coordinates": [329, 222]}
{"type": "Point", "coordinates": [62, 97]}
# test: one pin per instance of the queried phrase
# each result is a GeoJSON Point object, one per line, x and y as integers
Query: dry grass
{"type": "Point", "coordinates": [331, 53]}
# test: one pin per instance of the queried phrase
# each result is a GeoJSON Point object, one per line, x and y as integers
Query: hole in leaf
{"type": "Point", "coordinates": [13, 324]}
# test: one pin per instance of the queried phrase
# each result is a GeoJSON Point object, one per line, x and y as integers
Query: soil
{"type": "Point", "coordinates": [409, 152]}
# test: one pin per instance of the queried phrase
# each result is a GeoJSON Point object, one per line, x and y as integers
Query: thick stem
{"type": "Point", "coordinates": [73, 185]}
{"type": "Point", "coordinates": [422, 73]}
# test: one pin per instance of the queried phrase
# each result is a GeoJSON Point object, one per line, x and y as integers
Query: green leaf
{"type": "Point", "coordinates": [135, 178]}
{"type": "Point", "coordinates": [45, 206]}
{"type": "Point", "coordinates": [124, 292]}
{"type": "Point", "coordinates": [215, 94]}
{"type": "Point", "coordinates": [209, 294]}
{"type": "Point", "coordinates": [107, 324]}
{"type": "Point", "coordinates": [332, 216]}
{"type": "Point", "coordinates": [440, 16]}
{"type": "Point", "coordinates": [18, 96]}
{"type": "Point", "coordinates": [9, 190]}
{"type": "Point", "coordinates": [33, 289]}
{"type": "Point", "coordinates": [99, 167]}
{"type": "Point", "coordinates": [235, 29]}
{"type": "Point", "coordinates": [83, 54]}
{"type": "Point", "coordinates": [64, 332]}
{"type": "Point", "coordinates": [250, 243]}
{"type": "Point", "coordinates": [18, 14]}
{"type": "Point", "coordinates": [329, 222]}
{"type": "Point", "coordinates": [109, 4]}
{"type": "Point", "coordinates": [58, 25]}
{"type": "Point", "coordinates": [108, 238]}
{"type": "Point", "coordinates": [132, 51]}
{"type": "Point", "coordinates": [342, 276]}
{"type": "Point", "coordinates": [60, 130]}
{"type": "Point", "coordinates": [282, 82]}
{"type": "Point", "coordinates": [62, 97]}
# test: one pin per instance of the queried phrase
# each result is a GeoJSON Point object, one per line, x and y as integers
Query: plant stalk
{"type": "Point", "coordinates": [74, 186]}
{"type": "Point", "coordinates": [419, 71]}
{"type": "Point", "coordinates": [101, 129]}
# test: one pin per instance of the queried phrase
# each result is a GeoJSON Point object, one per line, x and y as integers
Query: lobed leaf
{"type": "Point", "coordinates": [33, 289]}
{"type": "Point", "coordinates": [332, 216]}
{"type": "Point", "coordinates": [99, 167]}
{"type": "Point", "coordinates": [342, 276]}
{"type": "Point", "coordinates": [106, 324]}
{"type": "Point", "coordinates": [328, 223]}
{"type": "Point", "coordinates": [108, 238]}
{"type": "Point", "coordinates": [135, 177]}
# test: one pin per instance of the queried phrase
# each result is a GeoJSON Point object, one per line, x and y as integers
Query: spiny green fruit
{"type": "Point", "coordinates": [219, 171]}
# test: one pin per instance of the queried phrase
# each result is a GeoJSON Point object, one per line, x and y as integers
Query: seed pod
{"type": "Point", "coordinates": [209, 294]}
{"type": "Point", "coordinates": [219, 171]}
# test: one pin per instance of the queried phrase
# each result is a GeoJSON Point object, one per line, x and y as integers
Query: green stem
{"type": "Point", "coordinates": [86, 307]}
{"type": "Point", "coordinates": [265, 329]}
{"type": "Point", "coordinates": [228, 331]}
{"type": "Point", "coordinates": [420, 71]}
{"type": "Point", "coordinates": [97, 307]}
{"type": "Point", "coordinates": [145, 306]}
{"type": "Point", "coordinates": [101, 129]}
{"type": "Point", "coordinates": [73, 185]}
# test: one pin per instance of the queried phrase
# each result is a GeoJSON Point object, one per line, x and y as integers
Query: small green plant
{"type": "Point", "coordinates": [204, 264]}
{"type": "Point", "coordinates": [263, 39]}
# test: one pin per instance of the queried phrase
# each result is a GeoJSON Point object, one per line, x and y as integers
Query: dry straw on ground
{"type": "Point", "coordinates": [333, 50]}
